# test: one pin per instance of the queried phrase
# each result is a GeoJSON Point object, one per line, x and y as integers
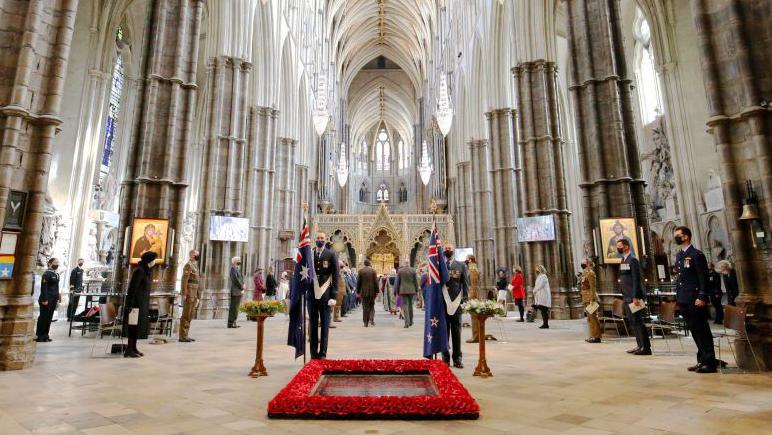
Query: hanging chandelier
{"type": "Point", "coordinates": [444, 114]}
{"type": "Point", "coordinates": [342, 166]}
{"type": "Point", "coordinates": [425, 167]}
{"type": "Point", "coordinates": [320, 116]}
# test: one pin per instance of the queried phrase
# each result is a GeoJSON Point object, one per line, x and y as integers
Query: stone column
{"type": "Point", "coordinates": [34, 67]}
{"type": "Point", "coordinates": [737, 68]}
{"type": "Point", "coordinates": [155, 180]}
{"type": "Point", "coordinates": [463, 204]}
{"type": "Point", "coordinates": [503, 163]}
{"type": "Point", "coordinates": [543, 183]}
{"type": "Point", "coordinates": [285, 195]}
{"type": "Point", "coordinates": [261, 160]}
{"type": "Point", "coordinates": [482, 198]}
{"type": "Point", "coordinates": [612, 184]}
{"type": "Point", "coordinates": [222, 182]}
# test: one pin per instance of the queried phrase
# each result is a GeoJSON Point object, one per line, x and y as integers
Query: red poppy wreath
{"type": "Point", "coordinates": [374, 389]}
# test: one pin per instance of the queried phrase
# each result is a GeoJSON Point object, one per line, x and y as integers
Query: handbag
{"type": "Point", "coordinates": [134, 317]}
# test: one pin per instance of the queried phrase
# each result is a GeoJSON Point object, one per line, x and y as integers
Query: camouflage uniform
{"type": "Point", "coordinates": [190, 276]}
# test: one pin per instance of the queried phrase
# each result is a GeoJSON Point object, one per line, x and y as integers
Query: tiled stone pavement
{"type": "Point", "coordinates": [545, 382]}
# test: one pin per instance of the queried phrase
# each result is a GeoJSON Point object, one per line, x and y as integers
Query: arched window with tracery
{"type": "Point", "coordinates": [383, 193]}
{"type": "Point", "coordinates": [382, 151]}
{"type": "Point", "coordinates": [647, 81]}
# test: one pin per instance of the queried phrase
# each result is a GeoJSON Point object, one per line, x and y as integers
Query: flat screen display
{"type": "Point", "coordinates": [228, 229]}
{"type": "Point", "coordinates": [536, 228]}
{"type": "Point", "coordinates": [461, 254]}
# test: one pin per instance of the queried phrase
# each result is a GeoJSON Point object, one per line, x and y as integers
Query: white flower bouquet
{"type": "Point", "coordinates": [483, 308]}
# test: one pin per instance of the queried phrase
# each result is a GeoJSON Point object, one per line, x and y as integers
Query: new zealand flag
{"type": "Point", "coordinates": [435, 325]}
{"type": "Point", "coordinates": [302, 280]}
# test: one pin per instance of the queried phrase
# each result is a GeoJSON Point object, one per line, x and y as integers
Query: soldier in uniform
{"type": "Point", "coordinates": [323, 296]}
{"type": "Point", "coordinates": [692, 296]}
{"type": "Point", "coordinates": [457, 293]}
{"type": "Point", "coordinates": [49, 297]}
{"type": "Point", "coordinates": [76, 285]}
{"type": "Point", "coordinates": [590, 295]}
{"type": "Point", "coordinates": [633, 292]}
{"type": "Point", "coordinates": [190, 277]}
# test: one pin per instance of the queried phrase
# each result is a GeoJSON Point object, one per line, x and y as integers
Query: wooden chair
{"type": "Point", "coordinates": [665, 323]}
{"type": "Point", "coordinates": [734, 330]}
{"type": "Point", "coordinates": [617, 317]}
{"type": "Point", "coordinates": [108, 323]}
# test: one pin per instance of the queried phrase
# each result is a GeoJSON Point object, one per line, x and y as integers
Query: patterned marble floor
{"type": "Point", "coordinates": [546, 382]}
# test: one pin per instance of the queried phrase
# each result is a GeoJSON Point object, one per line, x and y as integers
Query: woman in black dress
{"type": "Point", "coordinates": [138, 297]}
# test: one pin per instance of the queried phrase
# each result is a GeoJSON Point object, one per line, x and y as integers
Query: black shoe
{"type": "Point", "coordinates": [544, 327]}
{"type": "Point", "coordinates": [520, 321]}
{"type": "Point", "coordinates": [721, 363]}
{"type": "Point", "coordinates": [643, 352]}
{"type": "Point", "coordinates": [472, 341]}
{"type": "Point", "coordinates": [707, 369]}
{"type": "Point", "coordinates": [593, 340]}
{"type": "Point", "coordinates": [186, 340]}
{"type": "Point", "coordinates": [131, 355]}
{"type": "Point", "coordinates": [634, 350]}
{"type": "Point", "coordinates": [333, 326]}
{"type": "Point", "coordinates": [695, 367]}
{"type": "Point", "coordinates": [41, 340]}
{"type": "Point", "coordinates": [458, 365]}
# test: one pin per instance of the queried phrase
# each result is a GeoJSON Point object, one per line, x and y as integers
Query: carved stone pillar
{"type": "Point", "coordinates": [155, 174]}
{"type": "Point", "coordinates": [463, 204]}
{"type": "Point", "coordinates": [542, 179]}
{"type": "Point", "coordinates": [222, 183]}
{"type": "Point", "coordinates": [482, 198]}
{"type": "Point", "coordinates": [285, 194]}
{"type": "Point", "coordinates": [261, 160]}
{"type": "Point", "coordinates": [503, 164]}
{"type": "Point", "coordinates": [31, 87]}
{"type": "Point", "coordinates": [737, 71]}
{"type": "Point", "coordinates": [612, 184]}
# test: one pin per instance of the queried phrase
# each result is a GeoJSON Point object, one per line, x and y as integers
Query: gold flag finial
{"type": "Point", "coordinates": [434, 205]}
{"type": "Point", "coordinates": [305, 206]}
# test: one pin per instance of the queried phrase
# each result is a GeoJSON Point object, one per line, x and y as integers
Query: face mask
{"type": "Point", "coordinates": [54, 266]}
{"type": "Point", "coordinates": [620, 250]}
{"type": "Point", "coordinates": [583, 266]}
{"type": "Point", "coordinates": [195, 258]}
{"type": "Point", "coordinates": [448, 254]}
{"type": "Point", "coordinates": [151, 264]}
{"type": "Point", "coordinates": [80, 264]}
{"type": "Point", "coordinates": [238, 263]}
{"type": "Point", "coordinates": [679, 240]}
{"type": "Point", "coordinates": [320, 244]}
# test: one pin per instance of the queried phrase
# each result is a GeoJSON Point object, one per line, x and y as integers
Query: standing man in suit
{"type": "Point", "coordinates": [633, 292]}
{"type": "Point", "coordinates": [237, 289]}
{"type": "Point", "coordinates": [715, 293]}
{"type": "Point", "coordinates": [49, 297]}
{"type": "Point", "coordinates": [323, 296]}
{"type": "Point", "coordinates": [407, 287]}
{"type": "Point", "coordinates": [76, 285]}
{"type": "Point", "coordinates": [367, 289]}
{"type": "Point", "coordinates": [190, 278]}
{"type": "Point", "coordinates": [456, 292]}
{"type": "Point", "coordinates": [692, 297]}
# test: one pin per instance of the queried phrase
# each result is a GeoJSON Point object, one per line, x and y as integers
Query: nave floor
{"type": "Point", "coordinates": [545, 382]}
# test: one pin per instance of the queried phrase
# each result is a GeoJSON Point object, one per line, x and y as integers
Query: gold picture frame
{"type": "Point", "coordinates": [149, 235]}
{"type": "Point", "coordinates": [612, 230]}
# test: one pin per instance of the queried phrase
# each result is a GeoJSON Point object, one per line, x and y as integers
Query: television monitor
{"type": "Point", "coordinates": [228, 229]}
{"type": "Point", "coordinates": [536, 228]}
{"type": "Point", "coordinates": [461, 254]}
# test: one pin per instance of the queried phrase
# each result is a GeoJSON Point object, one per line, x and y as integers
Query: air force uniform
{"type": "Point", "coordinates": [692, 284]}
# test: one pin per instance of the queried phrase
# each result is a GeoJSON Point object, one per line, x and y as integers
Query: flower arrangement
{"type": "Point", "coordinates": [483, 308]}
{"type": "Point", "coordinates": [253, 309]}
{"type": "Point", "coordinates": [297, 399]}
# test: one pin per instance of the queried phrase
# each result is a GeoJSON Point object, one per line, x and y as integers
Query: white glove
{"type": "Point", "coordinates": [331, 302]}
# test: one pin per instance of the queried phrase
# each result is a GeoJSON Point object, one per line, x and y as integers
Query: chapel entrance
{"type": "Point", "coordinates": [383, 253]}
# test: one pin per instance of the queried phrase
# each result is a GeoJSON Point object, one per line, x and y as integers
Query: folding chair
{"type": "Point", "coordinates": [108, 322]}
{"type": "Point", "coordinates": [734, 320]}
{"type": "Point", "coordinates": [665, 323]}
{"type": "Point", "coordinates": [617, 317]}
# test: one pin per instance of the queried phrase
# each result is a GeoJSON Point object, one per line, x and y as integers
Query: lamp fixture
{"type": "Point", "coordinates": [444, 112]}
{"type": "Point", "coordinates": [342, 166]}
{"type": "Point", "coordinates": [320, 115]}
{"type": "Point", "coordinates": [425, 167]}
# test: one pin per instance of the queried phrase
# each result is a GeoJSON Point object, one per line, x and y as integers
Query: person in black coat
{"type": "Point", "coordinates": [633, 293]}
{"type": "Point", "coordinates": [728, 281]}
{"type": "Point", "coordinates": [692, 296]}
{"type": "Point", "coordinates": [138, 297]}
{"type": "Point", "coordinates": [320, 302]}
{"type": "Point", "coordinates": [715, 293]}
{"type": "Point", "coordinates": [270, 285]}
{"type": "Point", "coordinates": [49, 298]}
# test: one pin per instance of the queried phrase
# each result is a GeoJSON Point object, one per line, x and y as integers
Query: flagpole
{"type": "Point", "coordinates": [303, 300]}
{"type": "Point", "coordinates": [434, 227]}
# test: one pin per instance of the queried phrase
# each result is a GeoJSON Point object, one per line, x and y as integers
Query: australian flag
{"type": "Point", "coordinates": [302, 280]}
{"type": "Point", "coordinates": [435, 325]}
